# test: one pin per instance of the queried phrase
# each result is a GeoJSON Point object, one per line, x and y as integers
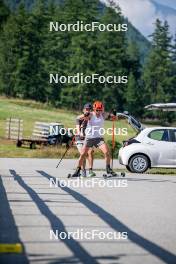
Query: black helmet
{"type": "Point", "coordinates": [88, 105]}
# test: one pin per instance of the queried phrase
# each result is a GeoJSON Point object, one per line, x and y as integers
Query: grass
{"type": "Point", "coordinates": [31, 111]}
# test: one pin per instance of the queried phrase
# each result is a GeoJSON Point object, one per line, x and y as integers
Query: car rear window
{"type": "Point", "coordinates": [159, 134]}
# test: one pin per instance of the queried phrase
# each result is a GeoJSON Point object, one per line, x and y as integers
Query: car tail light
{"type": "Point", "coordinates": [129, 142]}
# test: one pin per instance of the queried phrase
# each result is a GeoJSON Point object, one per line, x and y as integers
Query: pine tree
{"type": "Point", "coordinates": [158, 69]}
{"type": "Point", "coordinates": [30, 72]}
{"type": "Point", "coordinates": [81, 52]}
{"type": "Point", "coordinates": [4, 13]}
{"type": "Point", "coordinates": [174, 70]}
{"type": "Point", "coordinates": [131, 95]}
{"type": "Point", "coordinates": [56, 49]}
{"type": "Point", "coordinates": [8, 57]}
{"type": "Point", "coordinates": [133, 92]}
{"type": "Point", "coordinates": [174, 50]}
{"type": "Point", "coordinates": [112, 58]}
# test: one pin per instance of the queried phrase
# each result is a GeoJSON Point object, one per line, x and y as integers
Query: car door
{"type": "Point", "coordinates": [132, 121]}
{"type": "Point", "coordinates": [173, 138]}
{"type": "Point", "coordinates": [160, 142]}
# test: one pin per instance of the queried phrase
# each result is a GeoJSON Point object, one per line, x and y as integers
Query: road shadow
{"type": "Point", "coordinates": [154, 249]}
{"type": "Point", "coordinates": [9, 231]}
{"type": "Point", "coordinates": [80, 254]}
{"type": "Point", "coordinates": [71, 260]}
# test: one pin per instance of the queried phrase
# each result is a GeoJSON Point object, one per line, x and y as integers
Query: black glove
{"type": "Point", "coordinates": [86, 114]}
{"type": "Point", "coordinates": [114, 112]}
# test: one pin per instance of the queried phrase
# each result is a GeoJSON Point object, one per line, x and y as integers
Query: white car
{"type": "Point", "coordinates": [152, 147]}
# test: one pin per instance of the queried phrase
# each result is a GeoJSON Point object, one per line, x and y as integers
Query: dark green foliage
{"type": "Point", "coordinates": [4, 13]}
{"type": "Point", "coordinates": [115, 149]}
{"type": "Point", "coordinates": [158, 72]}
{"type": "Point", "coordinates": [29, 52]}
{"type": "Point", "coordinates": [133, 35]}
{"type": "Point", "coordinates": [112, 58]}
{"type": "Point", "coordinates": [134, 101]}
{"type": "Point", "coordinates": [173, 74]}
{"type": "Point", "coordinates": [81, 50]}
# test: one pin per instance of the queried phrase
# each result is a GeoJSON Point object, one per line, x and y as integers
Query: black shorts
{"type": "Point", "coordinates": [94, 142]}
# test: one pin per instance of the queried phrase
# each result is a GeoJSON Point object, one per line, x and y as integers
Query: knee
{"type": "Point", "coordinates": [83, 155]}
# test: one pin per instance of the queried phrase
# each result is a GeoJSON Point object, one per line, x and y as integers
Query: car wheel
{"type": "Point", "coordinates": [139, 163]}
{"type": "Point", "coordinates": [128, 168]}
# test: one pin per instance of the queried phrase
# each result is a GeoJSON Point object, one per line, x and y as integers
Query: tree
{"type": "Point", "coordinates": [158, 69]}
{"type": "Point", "coordinates": [8, 57]}
{"type": "Point", "coordinates": [81, 52]}
{"type": "Point", "coordinates": [174, 70]}
{"type": "Point", "coordinates": [4, 13]}
{"type": "Point", "coordinates": [112, 58]}
{"type": "Point", "coordinates": [133, 92]}
{"type": "Point", "coordinates": [30, 71]}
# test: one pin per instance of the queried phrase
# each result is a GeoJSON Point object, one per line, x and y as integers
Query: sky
{"type": "Point", "coordinates": [142, 14]}
{"type": "Point", "coordinates": [171, 3]}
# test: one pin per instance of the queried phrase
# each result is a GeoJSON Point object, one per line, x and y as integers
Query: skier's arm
{"type": "Point", "coordinates": [78, 127]}
{"type": "Point", "coordinates": [111, 115]}
{"type": "Point", "coordinates": [79, 123]}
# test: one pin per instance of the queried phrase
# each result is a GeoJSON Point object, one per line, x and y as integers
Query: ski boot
{"type": "Point", "coordinates": [111, 173]}
{"type": "Point", "coordinates": [83, 174]}
{"type": "Point", "coordinates": [91, 173]}
{"type": "Point", "coordinates": [76, 174]}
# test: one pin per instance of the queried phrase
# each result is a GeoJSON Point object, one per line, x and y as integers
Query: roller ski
{"type": "Point", "coordinates": [110, 174]}
{"type": "Point", "coordinates": [76, 174]}
{"type": "Point", "coordinates": [73, 176]}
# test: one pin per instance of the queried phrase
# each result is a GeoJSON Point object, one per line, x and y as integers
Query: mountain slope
{"type": "Point", "coordinates": [164, 9]}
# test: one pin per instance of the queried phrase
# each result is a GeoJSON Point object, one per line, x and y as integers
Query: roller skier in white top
{"type": "Point", "coordinates": [93, 138]}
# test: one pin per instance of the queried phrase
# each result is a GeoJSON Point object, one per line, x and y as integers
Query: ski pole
{"type": "Point", "coordinates": [66, 152]}
{"type": "Point", "coordinates": [67, 149]}
{"type": "Point", "coordinates": [113, 142]}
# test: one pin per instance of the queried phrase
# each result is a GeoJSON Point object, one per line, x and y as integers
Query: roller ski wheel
{"type": "Point", "coordinates": [111, 175]}
{"type": "Point", "coordinates": [122, 174]}
{"type": "Point", "coordinates": [106, 176]}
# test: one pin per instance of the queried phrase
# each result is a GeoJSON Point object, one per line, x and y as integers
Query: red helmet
{"type": "Point", "coordinates": [98, 105]}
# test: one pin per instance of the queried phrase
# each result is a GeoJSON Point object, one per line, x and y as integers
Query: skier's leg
{"type": "Point", "coordinates": [83, 154]}
{"type": "Point", "coordinates": [80, 144]}
{"type": "Point", "coordinates": [90, 157]}
{"type": "Point", "coordinates": [90, 161]}
{"type": "Point", "coordinates": [104, 148]}
{"type": "Point", "coordinates": [83, 168]}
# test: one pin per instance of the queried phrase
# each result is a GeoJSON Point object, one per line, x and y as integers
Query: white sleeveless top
{"type": "Point", "coordinates": [95, 127]}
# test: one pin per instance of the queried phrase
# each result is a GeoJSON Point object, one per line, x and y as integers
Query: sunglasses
{"type": "Point", "coordinates": [98, 110]}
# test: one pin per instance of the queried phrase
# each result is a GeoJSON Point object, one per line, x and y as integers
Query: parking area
{"type": "Point", "coordinates": [69, 223]}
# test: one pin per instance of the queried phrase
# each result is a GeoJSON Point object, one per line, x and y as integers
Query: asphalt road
{"type": "Point", "coordinates": [131, 220]}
